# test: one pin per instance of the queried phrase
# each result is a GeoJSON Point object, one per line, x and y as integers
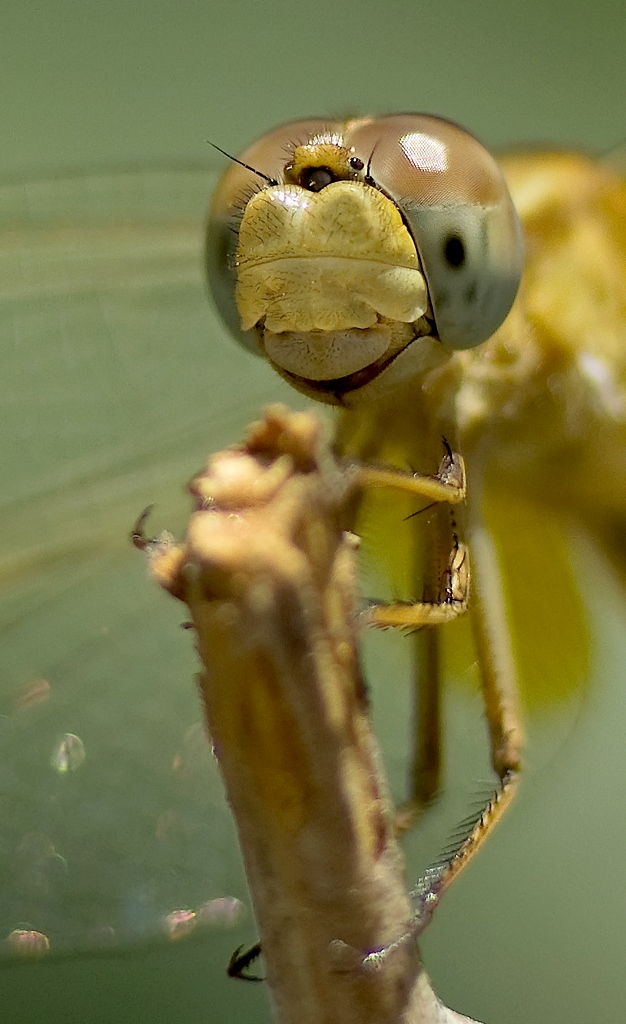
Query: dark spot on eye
{"type": "Point", "coordinates": [316, 178]}
{"type": "Point", "coordinates": [454, 251]}
{"type": "Point", "coordinates": [356, 164]}
{"type": "Point", "coordinates": [470, 294]}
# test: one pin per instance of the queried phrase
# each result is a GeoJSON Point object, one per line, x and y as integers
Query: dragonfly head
{"type": "Point", "coordinates": [353, 255]}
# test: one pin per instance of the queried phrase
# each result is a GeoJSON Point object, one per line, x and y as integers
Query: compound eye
{"type": "Point", "coordinates": [456, 203]}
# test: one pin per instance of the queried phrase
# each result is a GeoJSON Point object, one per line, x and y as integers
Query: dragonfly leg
{"type": "Point", "coordinates": [449, 592]}
{"type": "Point", "coordinates": [448, 484]}
{"type": "Point", "coordinates": [499, 685]}
{"type": "Point", "coordinates": [438, 878]}
{"type": "Point", "coordinates": [448, 599]}
{"type": "Point", "coordinates": [452, 600]}
{"type": "Point", "coordinates": [495, 656]}
{"type": "Point", "coordinates": [499, 688]}
{"type": "Point", "coordinates": [240, 962]}
{"type": "Point", "coordinates": [471, 836]}
{"type": "Point", "coordinates": [426, 758]}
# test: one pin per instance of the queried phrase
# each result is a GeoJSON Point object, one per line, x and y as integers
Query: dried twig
{"type": "Point", "coordinates": [267, 571]}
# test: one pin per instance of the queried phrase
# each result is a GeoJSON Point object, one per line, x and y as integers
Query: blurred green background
{"type": "Point", "coordinates": [117, 381]}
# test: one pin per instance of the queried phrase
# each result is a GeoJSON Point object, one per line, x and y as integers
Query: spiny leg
{"type": "Point", "coordinates": [499, 685]}
{"type": "Point", "coordinates": [452, 586]}
{"type": "Point", "coordinates": [451, 602]}
{"type": "Point", "coordinates": [500, 695]}
{"type": "Point", "coordinates": [494, 654]}
{"type": "Point", "coordinates": [447, 485]}
{"type": "Point", "coordinates": [240, 962]}
{"type": "Point", "coordinates": [445, 597]}
{"type": "Point", "coordinates": [438, 878]}
{"type": "Point", "coordinates": [493, 642]}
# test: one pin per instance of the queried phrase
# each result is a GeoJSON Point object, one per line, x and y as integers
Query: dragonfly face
{"type": "Point", "coordinates": [363, 253]}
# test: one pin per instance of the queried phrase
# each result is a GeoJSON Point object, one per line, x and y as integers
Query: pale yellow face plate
{"type": "Point", "coordinates": [339, 261]}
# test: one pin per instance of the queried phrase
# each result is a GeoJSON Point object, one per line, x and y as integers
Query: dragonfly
{"type": "Point", "coordinates": [375, 264]}
{"type": "Point", "coordinates": [113, 366]}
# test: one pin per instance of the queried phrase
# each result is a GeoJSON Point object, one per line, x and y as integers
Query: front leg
{"type": "Point", "coordinates": [448, 484]}
{"type": "Point", "coordinates": [446, 598]}
{"type": "Point", "coordinates": [452, 601]}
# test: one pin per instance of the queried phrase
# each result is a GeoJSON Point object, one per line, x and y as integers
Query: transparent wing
{"type": "Point", "coordinates": [116, 383]}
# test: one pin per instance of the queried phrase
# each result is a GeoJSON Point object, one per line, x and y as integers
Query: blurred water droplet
{"type": "Point", "coordinates": [34, 694]}
{"type": "Point", "coordinates": [69, 755]}
{"type": "Point", "coordinates": [179, 923]}
{"type": "Point", "coordinates": [56, 868]}
{"type": "Point", "coordinates": [225, 911]}
{"type": "Point", "coordinates": [28, 942]}
{"type": "Point", "coordinates": [41, 870]}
